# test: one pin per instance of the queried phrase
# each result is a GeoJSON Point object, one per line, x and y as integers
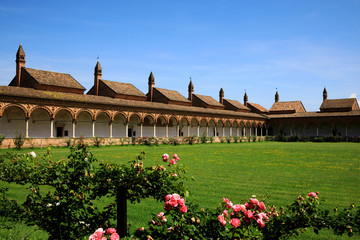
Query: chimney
{"type": "Point", "coordinates": [245, 99]}
{"type": "Point", "coordinates": [276, 96]}
{"type": "Point", "coordinates": [221, 96]}
{"type": "Point", "coordinates": [97, 77]}
{"type": "Point", "coordinates": [20, 62]}
{"type": "Point", "coordinates": [151, 83]}
{"type": "Point", "coordinates": [190, 90]}
{"type": "Point", "coordinates": [324, 94]}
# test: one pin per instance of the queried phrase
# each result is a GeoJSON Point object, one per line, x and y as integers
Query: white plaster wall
{"type": "Point", "coordinates": [172, 131]}
{"type": "Point", "coordinates": [148, 131]}
{"type": "Point", "coordinates": [193, 130]}
{"type": "Point", "coordinates": [13, 119]}
{"type": "Point", "coordinates": [83, 125]}
{"type": "Point", "coordinates": [102, 127]}
{"type": "Point", "coordinates": [63, 118]}
{"type": "Point", "coordinates": [119, 129]}
{"type": "Point", "coordinates": [39, 124]}
{"type": "Point", "coordinates": [160, 131]}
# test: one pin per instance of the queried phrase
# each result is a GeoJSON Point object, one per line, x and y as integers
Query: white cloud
{"type": "Point", "coordinates": [353, 95]}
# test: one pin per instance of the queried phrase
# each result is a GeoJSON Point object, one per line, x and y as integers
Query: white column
{"type": "Point", "coordinates": [73, 128]}
{"type": "Point", "coordinates": [261, 132]}
{"type": "Point", "coordinates": [93, 128]}
{"type": "Point", "coordinates": [188, 130]}
{"type": "Point", "coordinates": [27, 127]}
{"type": "Point", "coordinates": [267, 132]}
{"type": "Point", "coordinates": [237, 131]}
{"type": "Point", "coordinates": [141, 129]}
{"type": "Point", "coordinates": [223, 131]}
{"type": "Point", "coordinates": [215, 130]}
{"type": "Point", "coordinates": [177, 130]}
{"type": "Point", "coordinates": [198, 130]}
{"type": "Point", "coordinates": [244, 133]}
{"type": "Point", "coordinates": [127, 129]}
{"type": "Point", "coordinates": [230, 131]}
{"type": "Point", "coordinates": [207, 130]}
{"type": "Point", "coordinates": [317, 131]}
{"type": "Point", "coordinates": [52, 128]}
{"type": "Point", "coordinates": [167, 130]}
{"type": "Point", "coordinates": [154, 130]}
{"type": "Point", "coordinates": [346, 131]}
{"type": "Point", "coordinates": [111, 128]}
{"type": "Point", "coordinates": [255, 132]}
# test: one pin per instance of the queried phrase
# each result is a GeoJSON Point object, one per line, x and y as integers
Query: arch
{"type": "Point", "coordinates": [194, 127]}
{"type": "Point", "coordinates": [183, 126]}
{"type": "Point", "coordinates": [39, 124]}
{"type": "Point", "coordinates": [173, 123]}
{"type": "Point", "coordinates": [118, 125]}
{"type": "Point", "coordinates": [161, 123]}
{"type": "Point", "coordinates": [63, 122]}
{"type": "Point", "coordinates": [102, 122]}
{"type": "Point", "coordinates": [46, 109]}
{"type": "Point", "coordinates": [103, 112]}
{"type": "Point", "coordinates": [13, 120]}
{"type": "Point", "coordinates": [91, 114]}
{"type": "Point", "coordinates": [84, 123]}
{"type": "Point", "coordinates": [72, 115]}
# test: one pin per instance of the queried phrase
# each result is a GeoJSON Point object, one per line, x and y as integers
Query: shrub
{"type": "Point", "coordinates": [2, 137]}
{"type": "Point", "coordinates": [19, 139]}
{"type": "Point", "coordinates": [97, 141]}
{"type": "Point", "coordinates": [228, 139]}
{"type": "Point", "coordinates": [211, 139]}
{"type": "Point", "coordinates": [236, 139]}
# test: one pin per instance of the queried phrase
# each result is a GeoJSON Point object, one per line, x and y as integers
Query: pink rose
{"type": "Point", "coordinates": [262, 206]}
{"type": "Point", "coordinates": [183, 209]}
{"type": "Point", "coordinates": [254, 201]}
{"type": "Point", "coordinates": [262, 216]}
{"type": "Point", "coordinates": [176, 157]}
{"type": "Point", "coordinates": [110, 230]}
{"type": "Point", "coordinates": [114, 236]}
{"type": "Point", "coordinates": [161, 214]}
{"type": "Point", "coordinates": [225, 213]}
{"type": "Point", "coordinates": [222, 220]}
{"type": "Point", "coordinates": [235, 222]}
{"type": "Point", "coordinates": [173, 202]}
{"type": "Point", "coordinates": [176, 196]}
{"type": "Point", "coordinates": [249, 214]}
{"type": "Point", "coordinates": [181, 202]}
{"type": "Point", "coordinates": [225, 200]}
{"type": "Point", "coordinates": [173, 161]}
{"type": "Point", "coordinates": [168, 197]}
{"type": "Point", "coordinates": [174, 175]}
{"type": "Point", "coordinates": [238, 208]}
{"type": "Point", "coordinates": [260, 223]}
{"type": "Point", "coordinates": [165, 157]}
{"type": "Point", "coordinates": [312, 194]}
{"type": "Point", "coordinates": [248, 205]}
{"type": "Point", "coordinates": [167, 206]}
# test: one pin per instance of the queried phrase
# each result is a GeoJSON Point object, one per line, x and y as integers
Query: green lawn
{"type": "Point", "coordinates": [280, 171]}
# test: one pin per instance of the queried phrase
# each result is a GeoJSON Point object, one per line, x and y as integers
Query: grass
{"type": "Point", "coordinates": [272, 170]}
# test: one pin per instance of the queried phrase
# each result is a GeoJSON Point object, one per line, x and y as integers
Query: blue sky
{"type": "Point", "coordinates": [297, 47]}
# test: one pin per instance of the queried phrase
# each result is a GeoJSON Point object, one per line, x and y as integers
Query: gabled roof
{"type": "Point", "coordinates": [172, 95]}
{"type": "Point", "coordinates": [123, 88]}
{"type": "Point", "coordinates": [54, 78]}
{"type": "Point", "coordinates": [236, 104]}
{"type": "Point", "coordinates": [257, 107]}
{"type": "Point", "coordinates": [291, 106]}
{"type": "Point", "coordinates": [208, 100]}
{"type": "Point", "coordinates": [339, 104]}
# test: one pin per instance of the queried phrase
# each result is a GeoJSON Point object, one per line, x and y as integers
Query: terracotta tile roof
{"type": "Point", "coordinates": [258, 107]}
{"type": "Point", "coordinates": [208, 100]}
{"type": "Point", "coordinates": [123, 88]}
{"type": "Point", "coordinates": [292, 106]}
{"type": "Point", "coordinates": [54, 78]}
{"type": "Point", "coordinates": [237, 104]}
{"type": "Point", "coordinates": [335, 104]}
{"type": "Point", "coordinates": [172, 95]}
{"type": "Point", "coordinates": [28, 95]}
{"type": "Point", "coordinates": [315, 114]}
